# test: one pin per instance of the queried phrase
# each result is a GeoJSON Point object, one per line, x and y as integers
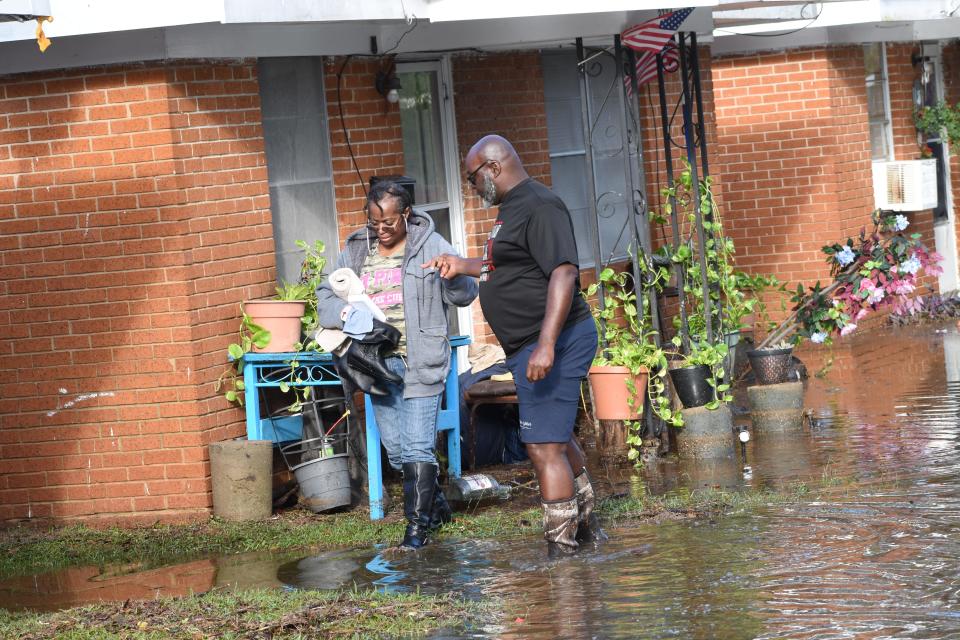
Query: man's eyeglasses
{"type": "Point", "coordinates": [472, 176]}
{"type": "Point", "coordinates": [390, 225]}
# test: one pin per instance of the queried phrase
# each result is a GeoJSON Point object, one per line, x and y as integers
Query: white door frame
{"type": "Point", "coordinates": [451, 154]}
{"type": "Point", "coordinates": [945, 231]}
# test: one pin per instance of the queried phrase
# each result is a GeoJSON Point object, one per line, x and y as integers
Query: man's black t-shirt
{"type": "Point", "coordinates": [533, 235]}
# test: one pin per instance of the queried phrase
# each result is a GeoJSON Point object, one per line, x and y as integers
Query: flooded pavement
{"type": "Point", "coordinates": [879, 557]}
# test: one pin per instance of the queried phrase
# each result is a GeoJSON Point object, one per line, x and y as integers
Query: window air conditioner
{"type": "Point", "coordinates": [909, 185]}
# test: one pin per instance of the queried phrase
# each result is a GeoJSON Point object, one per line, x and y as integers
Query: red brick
{"type": "Point", "coordinates": [83, 145]}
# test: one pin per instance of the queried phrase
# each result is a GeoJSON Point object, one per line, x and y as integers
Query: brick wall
{"type": "Point", "coordinates": [373, 125]}
{"type": "Point", "coordinates": [796, 159]}
{"type": "Point", "coordinates": [794, 156]}
{"type": "Point", "coordinates": [134, 216]}
{"type": "Point", "coordinates": [500, 94]}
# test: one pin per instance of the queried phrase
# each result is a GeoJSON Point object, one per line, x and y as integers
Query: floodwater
{"type": "Point", "coordinates": [876, 555]}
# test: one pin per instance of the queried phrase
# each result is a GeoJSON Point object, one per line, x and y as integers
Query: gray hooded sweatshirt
{"type": "Point", "coordinates": [426, 297]}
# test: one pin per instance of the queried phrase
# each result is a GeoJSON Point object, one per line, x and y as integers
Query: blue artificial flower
{"type": "Point", "coordinates": [900, 222]}
{"type": "Point", "coordinates": [845, 256]}
{"type": "Point", "coordinates": [910, 266]}
{"type": "Point", "coordinates": [818, 337]}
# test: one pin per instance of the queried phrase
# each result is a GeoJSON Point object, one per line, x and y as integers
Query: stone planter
{"type": "Point", "coordinates": [776, 408]}
{"type": "Point", "coordinates": [241, 472]}
{"type": "Point", "coordinates": [706, 434]}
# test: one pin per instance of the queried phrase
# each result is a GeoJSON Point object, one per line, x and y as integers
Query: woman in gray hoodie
{"type": "Point", "coordinates": [388, 255]}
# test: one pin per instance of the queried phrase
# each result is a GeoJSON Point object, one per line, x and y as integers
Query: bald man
{"type": "Point", "coordinates": [529, 292]}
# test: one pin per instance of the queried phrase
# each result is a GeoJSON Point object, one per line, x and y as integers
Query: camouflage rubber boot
{"type": "Point", "coordinates": [588, 528]}
{"type": "Point", "coordinates": [560, 526]}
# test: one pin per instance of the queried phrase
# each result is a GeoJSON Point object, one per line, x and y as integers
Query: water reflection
{"type": "Point", "coordinates": [876, 556]}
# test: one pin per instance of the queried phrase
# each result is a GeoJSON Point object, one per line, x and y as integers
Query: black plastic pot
{"type": "Point", "coordinates": [771, 366]}
{"type": "Point", "coordinates": [692, 386]}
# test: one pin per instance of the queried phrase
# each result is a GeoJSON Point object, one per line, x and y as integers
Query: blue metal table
{"type": "Point", "coordinates": [263, 370]}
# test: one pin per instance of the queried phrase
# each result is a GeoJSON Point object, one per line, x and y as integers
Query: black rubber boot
{"type": "Point", "coordinates": [588, 525]}
{"type": "Point", "coordinates": [441, 513]}
{"type": "Point", "coordinates": [353, 379]}
{"type": "Point", "coordinates": [368, 360]}
{"type": "Point", "coordinates": [365, 355]}
{"type": "Point", "coordinates": [419, 486]}
{"type": "Point", "coordinates": [382, 333]}
{"type": "Point", "coordinates": [560, 526]}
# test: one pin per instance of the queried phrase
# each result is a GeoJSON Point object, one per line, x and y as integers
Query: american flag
{"type": "Point", "coordinates": [654, 34]}
{"type": "Point", "coordinates": [646, 67]}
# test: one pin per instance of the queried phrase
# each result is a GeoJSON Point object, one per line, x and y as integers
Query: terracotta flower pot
{"type": "Point", "coordinates": [611, 395]}
{"type": "Point", "coordinates": [281, 318]}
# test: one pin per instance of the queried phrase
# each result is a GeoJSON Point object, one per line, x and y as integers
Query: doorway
{"type": "Point", "coordinates": [431, 156]}
{"type": "Point", "coordinates": [928, 91]}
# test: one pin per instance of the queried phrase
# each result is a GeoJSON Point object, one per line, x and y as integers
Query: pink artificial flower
{"type": "Point", "coordinates": [848, 329]}
{"type": "Point", "coordinates": [902, 286]}
{"type": "Point", "coordinates": [874, 293]}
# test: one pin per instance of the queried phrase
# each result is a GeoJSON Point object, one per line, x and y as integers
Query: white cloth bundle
{"type": "Point", "coordinates": [347, 286]}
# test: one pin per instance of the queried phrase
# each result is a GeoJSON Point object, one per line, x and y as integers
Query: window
{"type": "Point", "coordinates": [878, 101]}
{"type": "Point", "coordinates": [299, 169]}
{"type": "Point", "coordinates": [568, 156]}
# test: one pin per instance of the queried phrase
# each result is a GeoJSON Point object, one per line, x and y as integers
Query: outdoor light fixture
{"type": "Point", "coordinates": [743, 435]}
{"type": "Point", "coordinates": [388, 85]}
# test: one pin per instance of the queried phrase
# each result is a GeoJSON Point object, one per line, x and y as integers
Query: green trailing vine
{"type": "Point", "coordinates": [729, 304]}
{"type": "Point", "coordinates": [630, 341]}
{"type": "Point", "coordinates": [941, 119]}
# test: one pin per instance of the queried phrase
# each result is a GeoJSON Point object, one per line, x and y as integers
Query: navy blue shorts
{"type": "Point", "coordinates": [548, 407]}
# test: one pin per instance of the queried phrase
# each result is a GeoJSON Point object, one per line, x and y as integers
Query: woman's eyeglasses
{"type": "Point", "coordinates": [389, 225]}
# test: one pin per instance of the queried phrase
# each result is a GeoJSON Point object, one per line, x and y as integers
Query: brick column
{"type": "Point", "coordinates": [134, 217]}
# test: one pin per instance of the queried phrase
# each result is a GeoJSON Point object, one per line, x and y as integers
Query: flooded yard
{"type": "Point", "coordinates": [876, 555]}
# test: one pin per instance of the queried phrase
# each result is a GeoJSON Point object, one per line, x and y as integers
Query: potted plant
{"type": "Point", "coordinates": [698, 380]}
{"type": "Point", "coordinates": [940, 120]}
{"type": "Point", "coordinates": [278, 324]}
{"type": "Point", "coordinates": [711, 337]}
{"type": "Point", "coordinates": [771, 363]}
{"type": "Point", "coordinates": [628, 362]}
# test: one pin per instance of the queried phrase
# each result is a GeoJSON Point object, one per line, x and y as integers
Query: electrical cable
{"type": "Point", "coordinates": [782, 33]}
{"type": "Point", "coordinates": [343, 126]}
{"type": "Point", "coordinates": [416, 21]}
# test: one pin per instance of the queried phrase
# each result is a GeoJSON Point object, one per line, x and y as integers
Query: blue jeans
{"type": "Point", "coordinates": [408, 427]}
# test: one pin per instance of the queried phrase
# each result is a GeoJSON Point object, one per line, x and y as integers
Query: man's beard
{"type": "Point", "coordinates": [488, 196]}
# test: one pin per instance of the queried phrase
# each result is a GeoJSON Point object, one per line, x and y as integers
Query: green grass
{"type": "Point", "coordinates": [27, 551]}
{"type": "Point", "coordinates": [260, 613]}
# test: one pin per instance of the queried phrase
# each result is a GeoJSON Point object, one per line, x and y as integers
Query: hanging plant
{"type": "Point", "coordinates": [629, 340]}
{"type": "Point", "coordinates": [941, 120]}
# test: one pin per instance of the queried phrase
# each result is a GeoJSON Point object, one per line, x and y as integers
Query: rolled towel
{"type": "Point", "coordinates": [347, 286]}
